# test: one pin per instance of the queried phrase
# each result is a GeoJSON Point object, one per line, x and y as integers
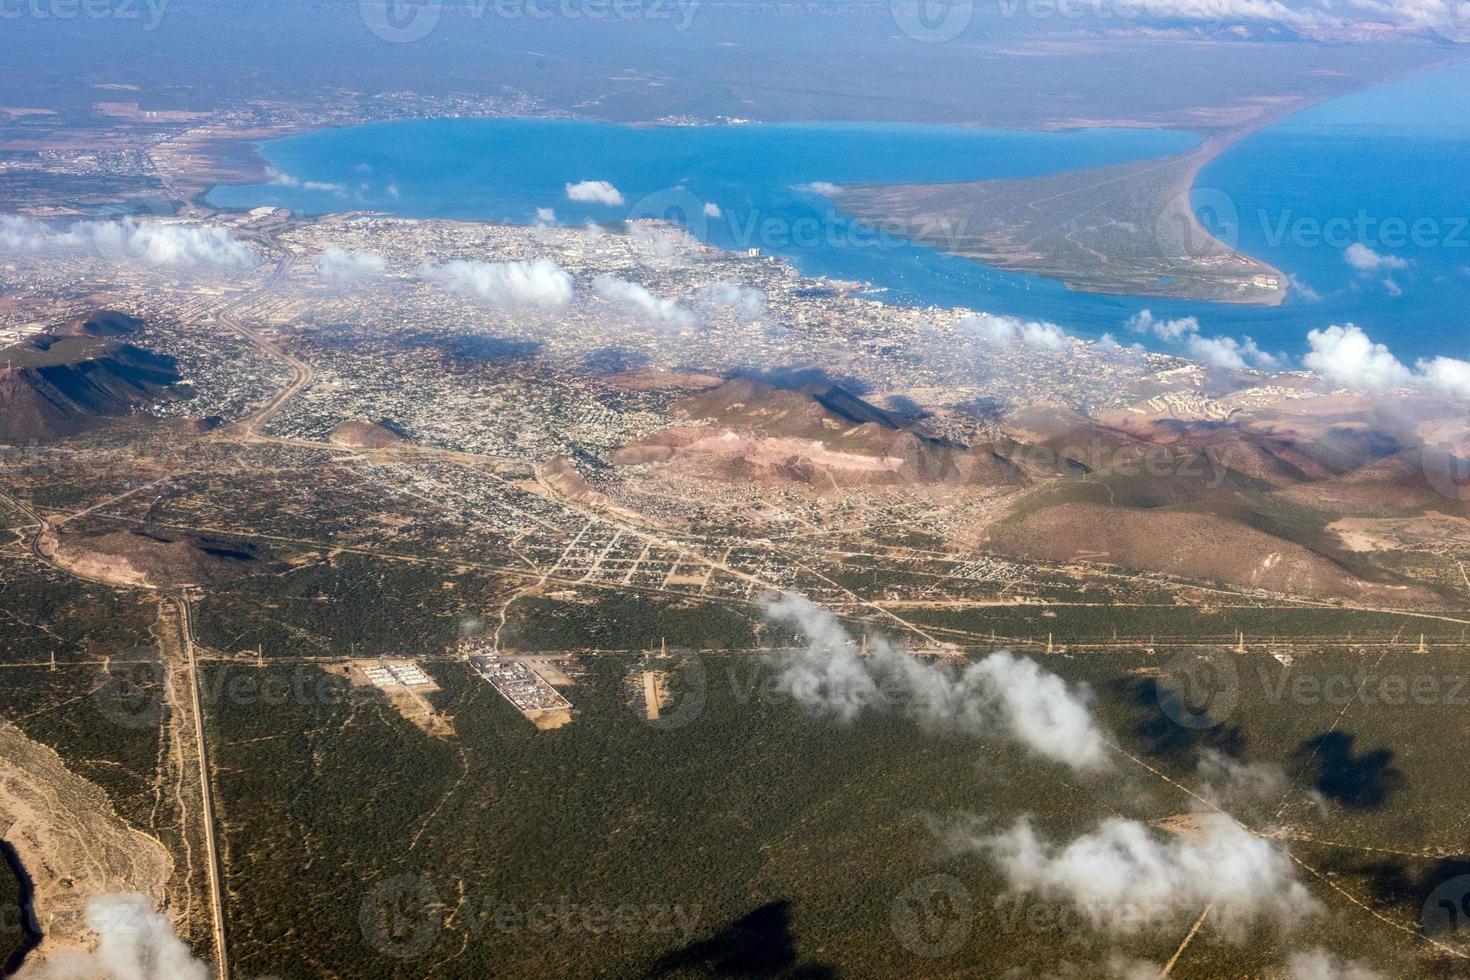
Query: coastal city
{"type": "Point", "coordinates": [767, 490]}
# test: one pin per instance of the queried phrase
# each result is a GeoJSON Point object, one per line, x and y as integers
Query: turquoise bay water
{"type": "Point", "coordinates": [1388, 169]}
{"type": "Point", "coordinates": [1397, 155]}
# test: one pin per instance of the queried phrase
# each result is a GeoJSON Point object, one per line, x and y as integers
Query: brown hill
{"type": "Point", "coordinates": [54, 386]}
{"type": "Point", "coordinates": [823, 435]}
{"type": "Point", "coordinates": [154, 560]}
{"type": "Point", "coordinates": [1066, 434]}
{"type": "Point", "coordinates": [1185, 512]}
{"type": "Point", "coordinates": [357, 434]}
{"type": "Point", "coordinates": [1271, 456]}
{"type": "Point", "coordinates": [103, 323]}
{"type": "Point", "coordinates": [1411, 481]}
{"type": "Point", "coordinates": [1193, 544]}
{"type": "Point", "coordinates": [568, 484]}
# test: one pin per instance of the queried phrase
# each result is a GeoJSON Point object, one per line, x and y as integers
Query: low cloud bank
{"type": "Point", "coordinates": [540, 284]}
{"type": "Point", "coordinates": [634, 297]}
{"type": "Point", "coordinates": [342, 267]}
{"type": "Point", "coordinates": [1344, 355]}
{"type": "Point", "coordinates": [1006, 331]}
{"type": "Point", "coordinates": [1446, 17]}
{"type": "Point", "coordinates": [134, 943]}
{"type": "Point", "coordinates": [172, 246]}
{"type": "Point", "coordinates": [746, 301]}
{"type": "Point", "coordinates": [1223, 353]}
{"type": "Point", "coordinates": [1126, 877]}
{"type": "Point", "coordinates": [1229, 354]}
{"type": "Point", "coordinates": [1348, 357]}
{"type": "Point", "coordinates": [1000, 695]}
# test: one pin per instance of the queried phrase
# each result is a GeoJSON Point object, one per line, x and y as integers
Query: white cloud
{"type": "Point", "coordinates": [657, 241]}
{"type": "Point", "coordinates": [1344, 355]}
{"type": "Point", "coordinates": [822, 187]}
{"type": "Point", "coordinates": [1110, 345]}
{"type": "Point", "coordinates": [1171, 330]}
{"type": "Point", "coordinates": [1006, 331]}
{"type": "Point", "coordinates": [1447, 376]}
{"type": "Point", "coordinates": [1045, 335]}
{"type": "Point", "coordinates": [1305, 290]}
{"type": "Point", "coordinates": [1225, 780]}
{"type": "Point", "coordinates": [1229, 354]}
{"type": "Point", "coordinates": [1041, 711]}
{"type": "Point", "coordinates": [162, 244]}
{"type": "Point", "coordinates": [1222, 353]}
{"type": "Point", "coordinates": [1122, 967]}
{"type": "Point", "coordinates": [1392, 287]}
{"type": "Point", "coordinates": [747, 301]}
{"type": "Point", "coordinates": [1253, 789]}
{"type": "Point", "coordinates": [1000, 695]}
{"type": "Point", "coordinates": [1348, 357]}
{"type": "Point", "coordinates": [172, 246]}
{"type": "Point", "coordinates": [20, 234]}
{"type": "Point", "coordinates": [1318, 964]}
{"type": "Point", "coordinates": [1448, 17]}
{"type": "Point", "coordinates": [545, 216]}
{"type": "Point", "coordinates": [539, 284]}
{"type": "Point", "coordinates": [134, 943]}
{"type": "Point", "coordinates": [636, 297]}
{"type": "Point", "coordinates": [280, 179]}
{"type": "Point", "coordinates": [594, 192]}
{"type": "Point", "coordinates": [342, 267]}
{"type": "Point", "coordinates": [1126, 877]}
{"type": "Point", "coordinates": [1364, 259]}
{"type": "Point", "coordinates": [712, 210]}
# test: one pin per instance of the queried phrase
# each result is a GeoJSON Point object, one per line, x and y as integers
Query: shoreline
{"type": "Point", "coordinates": [244, 165]}
{"type": "Point", "coordinates": [1183, 182]}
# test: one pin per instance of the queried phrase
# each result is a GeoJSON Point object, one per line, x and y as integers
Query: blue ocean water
{"type": "Point", "coordinates": [1385, 170]}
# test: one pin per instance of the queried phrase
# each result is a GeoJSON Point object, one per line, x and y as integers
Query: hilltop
{"type": "Point", "coordinates": [79, 378]}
